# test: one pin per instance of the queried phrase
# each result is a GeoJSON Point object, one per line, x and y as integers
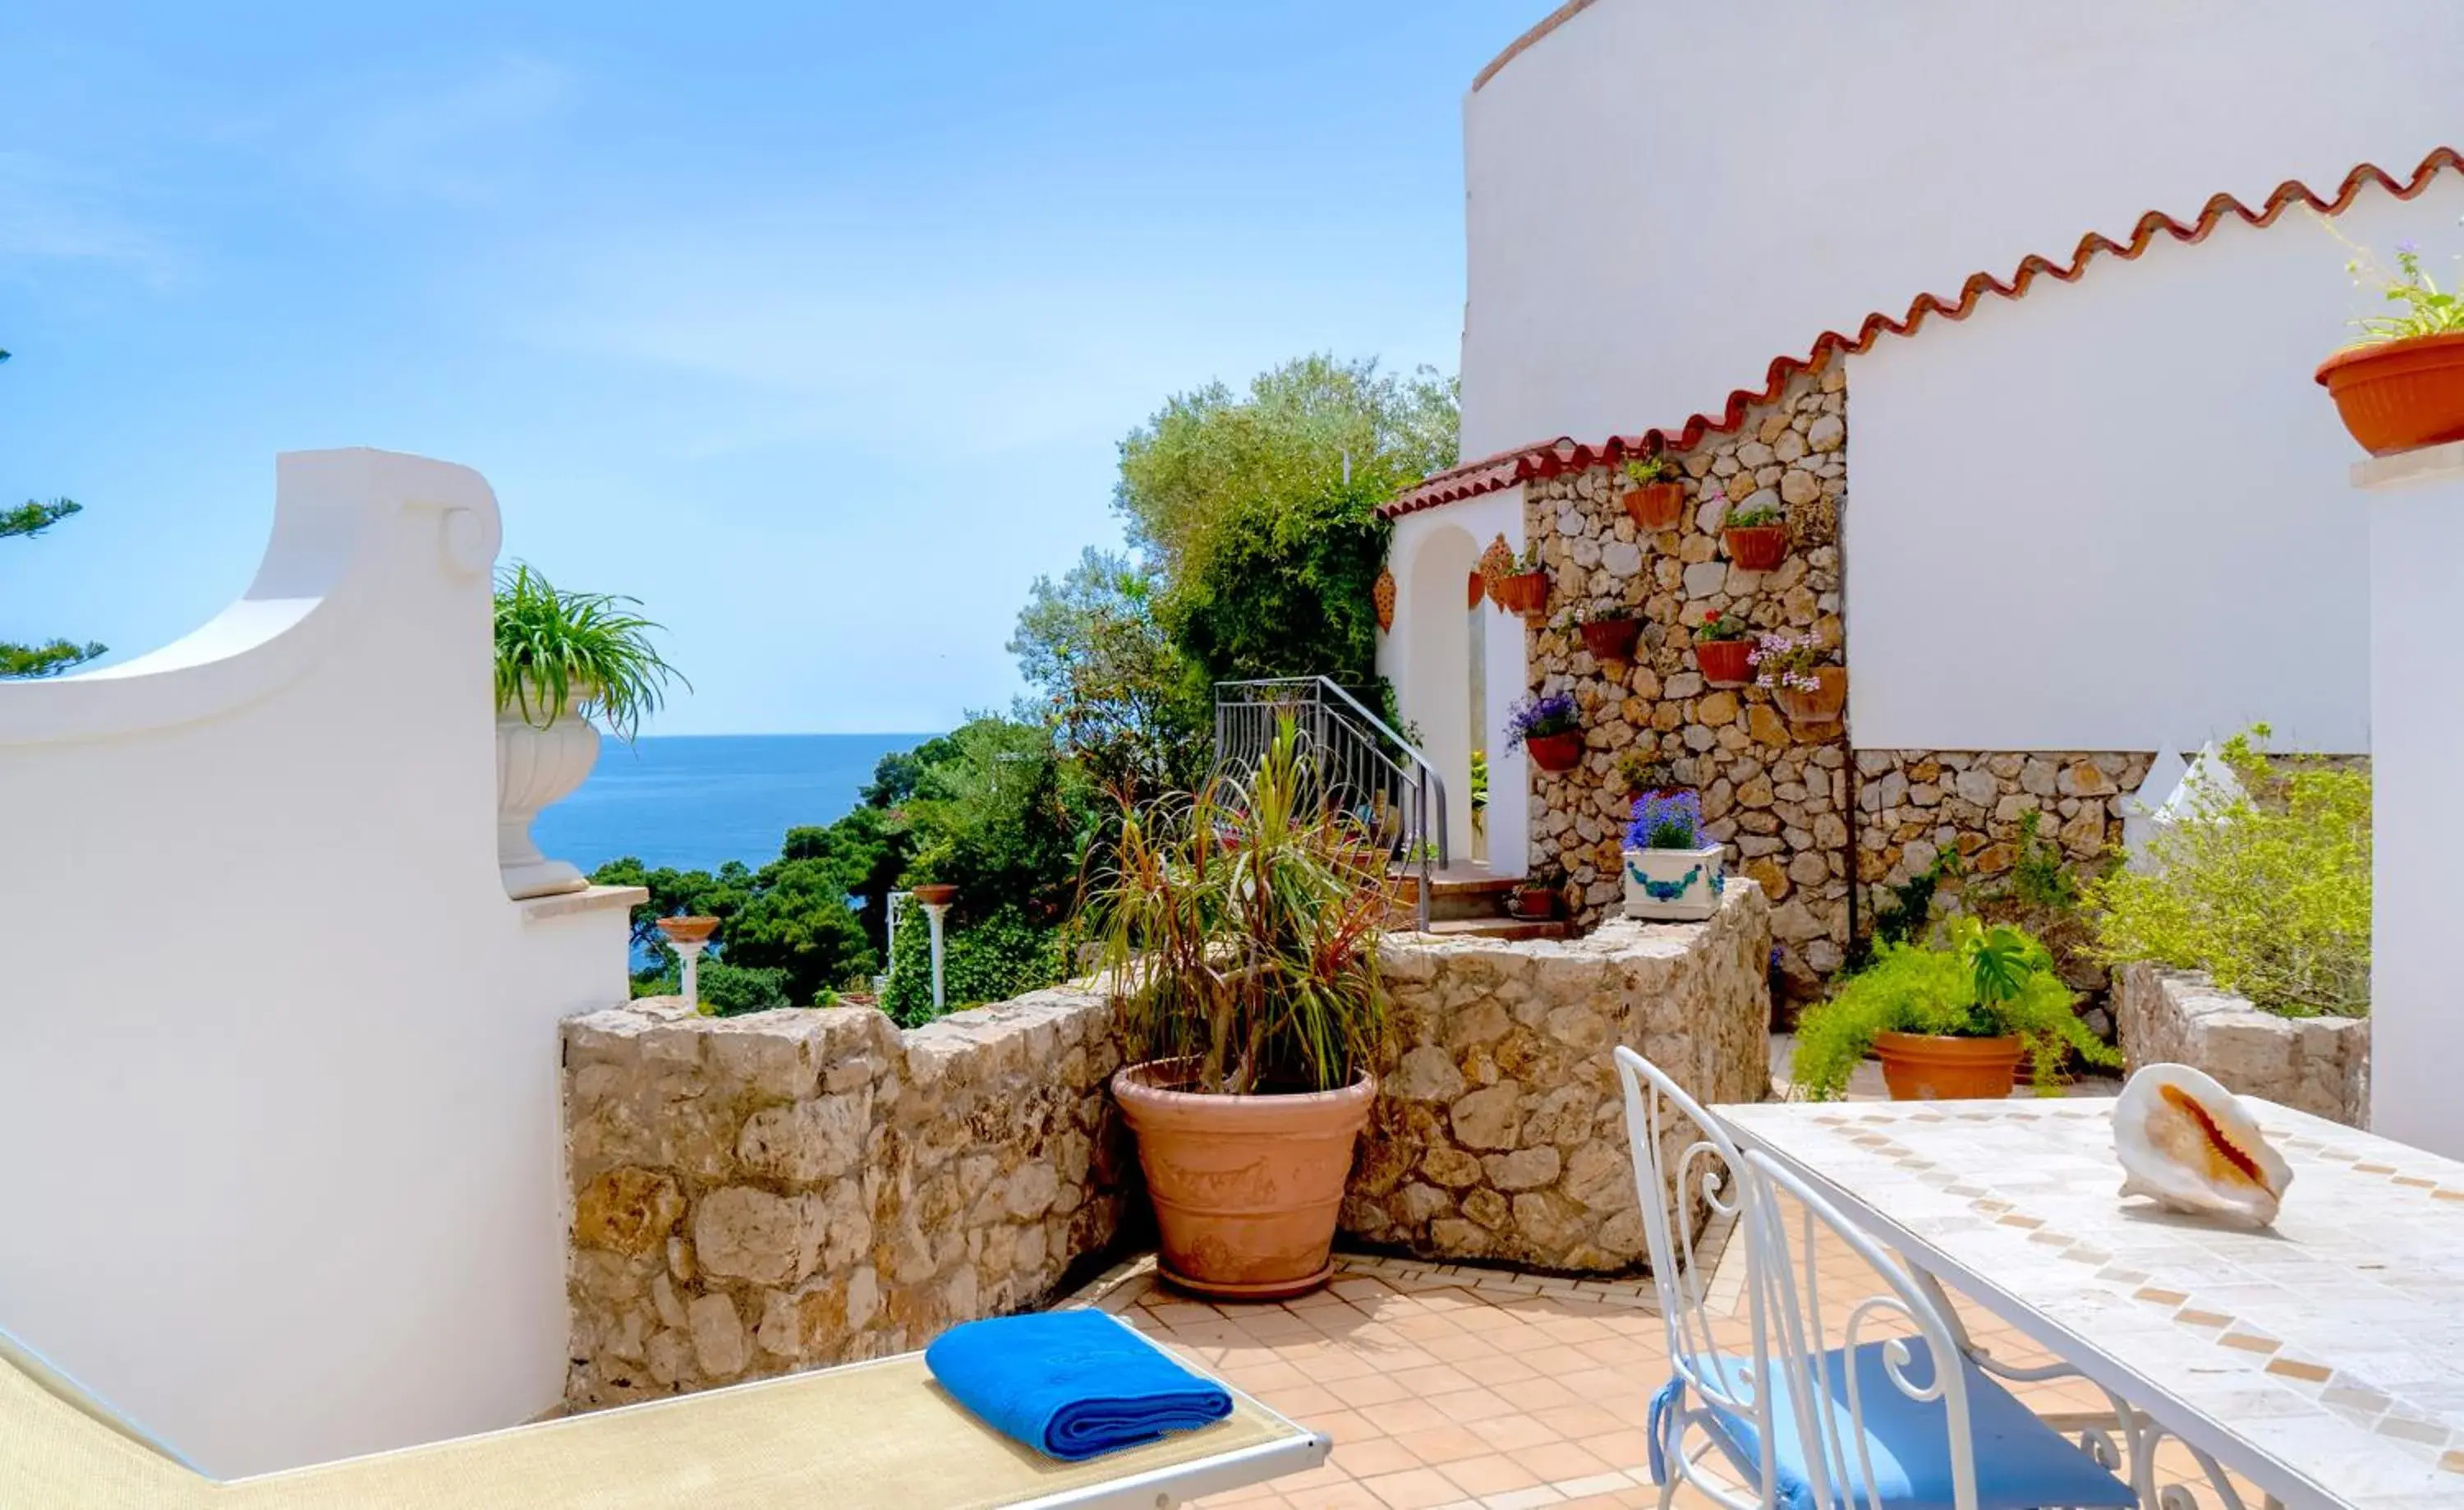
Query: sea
{"type": "Point", "coordinates": [695, 801]}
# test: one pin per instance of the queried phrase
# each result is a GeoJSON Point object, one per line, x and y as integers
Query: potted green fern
{"type": "Point", "coordinates": [565, 662]}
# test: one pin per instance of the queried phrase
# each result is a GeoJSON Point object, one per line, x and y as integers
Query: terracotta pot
{"type": "Point", "coordinates": [1524, 592]}
{"type": "Point", "coordinates": [1478, 590]}
{"type": "Point", "coordinates": [2399, 395]}
{"type": "Point", "coordinates": [1538, 904]}
{"type": "Point", "coordinates": [1612, 640]}
{"type": "Point", "coordinates": [934, 894]}
{"type": "Point", "coordinates": [1756, 547]}
{"type": "Point", "coordinates": [1245, 1187]}
{"type": "Point", "coordinates": [1655, 506]}
{"type": "Point", "coordinates": [687, 930]}
{"type": "Point", "coordinates": [1812, 709]}
{"type": "Point", "coordinates": [1555, 751]}
{"type": "Point", "coordinates": [1725, 662]}
{"type": "Point", "coordinates": [1920, 1067]}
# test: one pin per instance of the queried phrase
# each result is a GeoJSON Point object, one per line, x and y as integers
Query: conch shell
{"type": "Point", "coordinates": [2185, 1142]}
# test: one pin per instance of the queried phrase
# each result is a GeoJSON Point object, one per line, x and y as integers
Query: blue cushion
{"type": "Point", "coordinates": [2021, 1463]}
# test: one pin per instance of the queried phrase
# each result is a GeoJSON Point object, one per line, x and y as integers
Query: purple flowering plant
{"type": "Point", "coordinates": [1786, 660]}
{"type": "Point", "coordinates": [1666, 820]}
{"type": "Point", "coordinates": [1538, 717]}
{"type": "Point", "coordinates": [2424, 309]}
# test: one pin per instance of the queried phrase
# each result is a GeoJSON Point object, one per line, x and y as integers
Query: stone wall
{"type": "Point", "coordinates": [2320, 1065]}
{"type": "Point", "coordinates": [1778, 800]}
{"type": "Point", "coordinates": [795, 1189]}
{"type": "Point", "coordinates": [1500, 1132]}
{"type": "Point", "coordinates": [1912, 805]}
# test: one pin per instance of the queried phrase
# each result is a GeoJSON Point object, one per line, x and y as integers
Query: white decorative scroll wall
{"type": "Point", "coordinates": [277, 1058]}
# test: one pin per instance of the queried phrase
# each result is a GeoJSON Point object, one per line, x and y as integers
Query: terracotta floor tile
{"type": "Point", "coordinates": [1397, 1417]}
{"type": "Point", "coordinates": [1510, 1433]}
{"type": "Point", "coordinates": [1267, 1373]}
{"type": "Point", "coordinates": [1474, 1404]}
{"type": "Point", "coordinates": [1430, 1380]}
{"type": "Point", "coordinates": [1557, 1359]}
{"type": "Point", "coordinates": [1497, 1370]}
{"type": "Point", "coordinates": [1552, 1461]}
{"type": "Point", "coordinates": [1612, 1388]}
{"type": "Point", "coordinates": [1370, 1456]}
{"type": "Point", "coordinates": [1349, 1495]}
{"type": "Point", "coordinates": [1457, 1347]}
{"type": "Point", "coordinates": [1441, 1444]}
{"type": "Point", "coordinates": [1301, 1402]}
{"type": "Point", "coordinates": [1340, 1426]}
{"type": "Point", "coordinates": [1629, 1449]}
{"type": "Point", "coordinates": [1574, 1422]}
{"type": "Point", "coordinates": [1375, 1388]}
{"type": "Point", "coordinates": [1328, 1365]}
{"type": "Point", "coordinates": [1542, 1394]}
{"type": "Point", "coordinates": [1415, 1489]}
{"type": "Point", "coordinates": [1489, 1473]}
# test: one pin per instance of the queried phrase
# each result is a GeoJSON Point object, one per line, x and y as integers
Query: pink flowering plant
{"type": "Point", "coordinates": [1786, 660]}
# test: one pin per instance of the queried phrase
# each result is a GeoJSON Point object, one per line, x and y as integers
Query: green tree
{"type": "Point", "coordinates": [53, 657]}
{"type": "Point", "coordinates": [1004, 819]}
{"type": "Point", "coordinates": [1115, 689]}
{"type": "Point", "coordinates": [997, 956]}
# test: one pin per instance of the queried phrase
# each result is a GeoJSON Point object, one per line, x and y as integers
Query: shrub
{"type": "Point", "coordinates": [727, 990]}
{"type": "Point", "coordinates": [992, 959]}
{"type": "Point", "coordinates": [1988, 984]}
{"type": "Point", "coordinates": [2268, 892]}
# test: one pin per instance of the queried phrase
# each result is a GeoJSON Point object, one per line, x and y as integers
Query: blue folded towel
{"type": "Point", "coordinates": [1071, 1384]}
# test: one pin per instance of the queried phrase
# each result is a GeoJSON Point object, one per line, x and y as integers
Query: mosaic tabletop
{"type": "Point", "coordinates": [2322, 1358]}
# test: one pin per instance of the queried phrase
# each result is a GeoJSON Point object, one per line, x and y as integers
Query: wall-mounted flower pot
{"type": "Point", "coordinates": [1756, 547]}
{"type": "Point", "coordinates": [1536, 903]}
{"type": "Point", "coordinates": [2399, 395]}
{"type": "Point", "coordinates": [1819, 707]}
{"type": "Point", "coordinates": [1673, 885]}
{"type": "Point", "coordinates": [1612, 640]}
{"type": "Point", "coordinates": [1524, 592]}
{"type": "Point", "coordinates": [1725, 662]}
{"type": "Point", "coordinates": [1478, 590]}
{"type": "Point", "coordinates": [1921, 1067]}
{"type": "Point", "coordinates": [1556, 752]}
{"type": "Point", "coordinates": [1655, 506]}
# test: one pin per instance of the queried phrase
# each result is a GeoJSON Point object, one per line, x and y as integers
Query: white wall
{"type": "Point", "coordinates": [1424, 656]}
{"type": "Point", "coordinates": [277, 1058]}
{"type": "Point", "coordinates": [2114, 515]}
{"type": "Point", "coordinates": [1662, 200]}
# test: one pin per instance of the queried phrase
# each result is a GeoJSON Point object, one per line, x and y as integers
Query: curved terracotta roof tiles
{"type": "Point", "coordinates": [1531, 463]}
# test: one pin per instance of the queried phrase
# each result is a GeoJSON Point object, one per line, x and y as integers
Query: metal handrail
{"type": "Point", "coordinates": [1362, 758]}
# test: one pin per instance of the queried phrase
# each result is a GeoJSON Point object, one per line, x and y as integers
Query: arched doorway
{"type": "Point", "coordinates": [1443, 659]}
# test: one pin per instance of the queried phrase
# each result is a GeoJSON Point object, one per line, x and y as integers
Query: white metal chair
{"type": "Point", "coordinates": [1867, 1422]}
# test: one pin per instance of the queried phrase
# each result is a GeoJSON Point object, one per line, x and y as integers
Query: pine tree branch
{"type": "Point", "coordinates": [43, 660]}
{"type": "Point", "coordinates": [33, 518]}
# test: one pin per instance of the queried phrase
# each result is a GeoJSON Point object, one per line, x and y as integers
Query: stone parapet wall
{"type": "Point", "coordinates": [1776, 798]}
{"type": "Point", "coordinates": [1500, 1132]}
{"type": "Point", "coordinates": [796, 1188]}
{"type": "Point", "coordinates": [1913, 805]}
{"type": "Point", "coordinates": [2320, 1065]}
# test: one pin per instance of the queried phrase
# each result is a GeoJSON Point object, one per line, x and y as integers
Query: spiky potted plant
{"type": "Point", "coordinates": [2400, 386]}
{"type": "Point", "coordinates": [1723, 648]}
{"type": "Point", "coordinates": [1248, 985]}
{"type": "Point", "coordinates": [1653, 499]}
{"type": "Point", "coordinates": [1550, 727]}
{"type": "Point", "coordinates": [1756, 539]}
{"type": "Point", "coordinates": [1672, 873]}
{"type": "Point", "coordinates": [565, 662]}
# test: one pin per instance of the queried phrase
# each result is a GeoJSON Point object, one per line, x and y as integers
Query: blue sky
{"type": "Point", "coordinates": [814, 326]}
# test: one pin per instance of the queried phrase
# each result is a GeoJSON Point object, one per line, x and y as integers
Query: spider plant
{"type": "Point", "coordinates": [1238, 925]}
{"type": "Point", "coordinates": [554, 646]}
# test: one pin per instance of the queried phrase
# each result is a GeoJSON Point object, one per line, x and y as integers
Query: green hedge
{"type": "Point", "coordinates": [1001, 956]}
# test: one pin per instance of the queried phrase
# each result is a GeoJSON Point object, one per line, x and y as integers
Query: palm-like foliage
{"type": "Point", "coordinates": [1240, 927]}
{"type": "Point", "coordinates": [553, 646]}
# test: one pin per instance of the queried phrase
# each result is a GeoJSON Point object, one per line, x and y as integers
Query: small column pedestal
{"type": "Point", "coordinates": [2416, 521]}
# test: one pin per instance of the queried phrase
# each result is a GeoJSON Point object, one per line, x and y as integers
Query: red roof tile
{"type": "Point", "coordinates": [1506, 468]}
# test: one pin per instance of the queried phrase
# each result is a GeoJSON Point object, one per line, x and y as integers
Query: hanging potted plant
{"type": "Point", "coordinates": [1723, 648]}
{"type": "Point", "coordinates": [1655, 500]}
{"type": "Point", "coordinates": [1550, 727]}
{"type": "Point", "coordinates": [1948, 1023]}
{"type": "Point", "coordinates": [1671, 874]}
{"type": "Point", "coordinates": [563, 660]}
{"type": "Point", "coordinates": [1523, 588]}
{"type": "Point", "coordinates": [2401, 387]}
{"type": "Point", "coordinates": [1756, 539]}
{"type": "Point", "coordinates": [1539, 894]}
{"type": "Point", "coordinates": [1608, 633]}
{"type": "Point", "coordinates": [1250, 995]}
{"type": "Point", "coordinates": [1790, 667]}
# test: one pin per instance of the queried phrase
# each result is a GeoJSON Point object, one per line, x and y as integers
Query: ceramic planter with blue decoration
{"type": "Point", "coordinates": [1673, 885]}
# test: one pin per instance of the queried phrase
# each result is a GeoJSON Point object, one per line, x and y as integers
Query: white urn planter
{"type": "Point", "coordinates": [536, 768]}
{"type": "Point", "coordinates": [1673, 885]}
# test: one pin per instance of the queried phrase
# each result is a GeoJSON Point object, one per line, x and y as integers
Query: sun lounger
{"type": "Point", "coordinates": [881, 1435]}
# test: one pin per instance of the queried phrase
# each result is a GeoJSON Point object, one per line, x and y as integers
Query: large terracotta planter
{"type": "Point", "coordinates": [1920, 1067]}
{"type": "Point", "coordinates": [1612, 640]}
{"type": "Point", "coordinates": [1524, 592]}
{"type": "Point", "coordinates": [1819, 708]}
{"type": "Point", "coordinates": [1656, 507]}
{"type": "Point", "coordinates": [1555, 751]}
{"type": "Point", "coordinates": [2399, 395]}
{"type": "Point", "coordinates": [1245, 1187]}
{"type": "Point", "coordinates": [1756, 547]}
{"type": "Point", "coordinates": [1726, 662]}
